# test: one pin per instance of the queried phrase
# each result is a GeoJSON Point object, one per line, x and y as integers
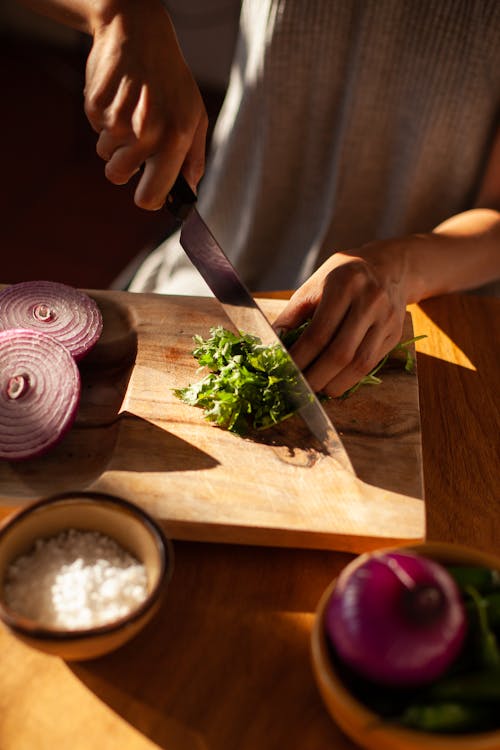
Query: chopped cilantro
{"type": "Point", "coordinates": [250, 385]}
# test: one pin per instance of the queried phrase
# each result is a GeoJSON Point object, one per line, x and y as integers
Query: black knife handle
{"type": "Point", "coordinates": [181, 199]}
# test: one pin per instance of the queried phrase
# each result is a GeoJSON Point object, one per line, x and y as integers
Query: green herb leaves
{"type": "Point", "coordinates": [252, 386]}
{"type": "Point", "coordinates": [249, 385]}
{"type": "Point", "coordinates": [409, 364]}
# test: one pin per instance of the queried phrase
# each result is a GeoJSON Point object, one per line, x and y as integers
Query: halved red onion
{"type": "Point", "coordinates": [39, 393]}
{"type": "Point", "coordinates": [66, 314]}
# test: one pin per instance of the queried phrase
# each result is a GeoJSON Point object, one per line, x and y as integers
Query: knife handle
{"type": "Point", "coordinates": [181, 199]}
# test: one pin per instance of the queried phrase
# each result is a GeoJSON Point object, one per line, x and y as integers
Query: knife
{"type": "Point", "coordinates": [209, 259]}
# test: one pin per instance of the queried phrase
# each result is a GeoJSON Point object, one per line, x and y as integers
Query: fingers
{"type": "Point", "coordinates": [300, 308]}
{"type": "Point", "coordinates": [357, 320]}
{"type": "Point", "coordinates": [376, 343]}
{"type": "Point", "coordinates": [160, 172]}
{"type": "Point", "coordinates": [124, 155]}
{"type": "Point", "coordinates": [145, 104]}
{"type": "Point", "coordinates": [182, 150]}
{"type": "Point", "coordinates": [333, 306]}
{"type": "Point", "coordinates": [162, 152]}
{"type": "Point", "coordinates": [111, 106]}
{"type": "Point", "coordinates": [107, 144]}
{"type": "Point", "coordinates": [364, 337]}
{"type": "Point", "coordinates": [194, 163]}
{"type": "Point", "coordinates": [161, 169]}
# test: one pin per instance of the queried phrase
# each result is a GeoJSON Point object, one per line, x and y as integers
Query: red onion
{"type": "Point", "coordinates": [70, 316]}
{"type": "Point", "coordinates": [39, 393]}
{"type": "Point", "coordinates": [396, 618]}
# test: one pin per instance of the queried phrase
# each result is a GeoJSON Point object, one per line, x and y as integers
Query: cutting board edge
{"type": "Point", "coordinates": [275, 537]}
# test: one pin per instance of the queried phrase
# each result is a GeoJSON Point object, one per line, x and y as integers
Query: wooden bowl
{"type": "Point", "coordinates": [366, 728]}
{"type": "Point", "coordinates": [133, 529]}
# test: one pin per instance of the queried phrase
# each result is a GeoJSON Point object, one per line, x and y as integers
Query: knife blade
{"type": "Point", "coordinates": [212, 263]}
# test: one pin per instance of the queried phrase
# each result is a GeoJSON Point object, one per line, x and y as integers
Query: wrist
{"type": "Point", "coordinates": [103, 12]}
{"type": "Point", "coordinates": [392, 261]}
{"type": "Point", "coordinates": [419, 251]}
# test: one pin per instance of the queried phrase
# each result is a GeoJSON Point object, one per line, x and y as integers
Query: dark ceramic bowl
{"type": "Point", "coordinates": [132, 528]}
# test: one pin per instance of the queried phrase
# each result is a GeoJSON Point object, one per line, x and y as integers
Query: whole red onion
{"type": "Point", "coordinates": [68, 315]}
{"type": "Point", "coordinates": [39, 393]}
{"type": "Point", "coordinates": [396, 618]}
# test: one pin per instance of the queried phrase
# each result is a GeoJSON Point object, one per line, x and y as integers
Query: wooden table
{"type": "Point", "coordinates": [226, 666]}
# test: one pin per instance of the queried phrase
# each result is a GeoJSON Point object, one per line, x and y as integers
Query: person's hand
{"type": "Point", "coordinates": [142, 100]}
{"type": "Point", "coordinates": [356, 302]}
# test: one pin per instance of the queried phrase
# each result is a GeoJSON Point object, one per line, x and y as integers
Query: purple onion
{"type": "Point", "coordinates": [396, 619]}
{"type": "Point", "coordinates": [39, 393]}
{"type": "Point", "coordinates": [66, 314]}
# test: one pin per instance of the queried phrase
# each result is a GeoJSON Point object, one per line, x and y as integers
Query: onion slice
{"type": "Point", "coordinates": [65, 313]}
{"type": "Point", "coordinates": [39, 393]}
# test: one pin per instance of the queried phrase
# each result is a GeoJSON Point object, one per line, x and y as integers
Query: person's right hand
{"type": "Point", "coordinates": [142, 100]}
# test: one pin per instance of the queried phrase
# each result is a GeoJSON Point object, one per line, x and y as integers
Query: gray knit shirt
{"type": "Point", "coordinates": [345, 121]}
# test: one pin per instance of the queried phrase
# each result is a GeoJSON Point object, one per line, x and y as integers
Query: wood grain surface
{"type": "Point", "coordinates": [134, 438]}
{"type": "Point", "coordinates": [226, 664]}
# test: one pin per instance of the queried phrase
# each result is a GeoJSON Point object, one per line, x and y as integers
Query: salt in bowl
{"type": "Point", "coordinates": [121, 530]}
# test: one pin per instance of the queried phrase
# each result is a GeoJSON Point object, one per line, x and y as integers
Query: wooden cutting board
{"type": "Point", "coordinates": [135, 439]}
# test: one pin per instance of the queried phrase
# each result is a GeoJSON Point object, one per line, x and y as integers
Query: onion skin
{"type": "Point", "coordinates": [65, 313]}
{"type": "Point", "coordinates": [39, 393]}
{"type": "Point", "coordinates": [380, 628]}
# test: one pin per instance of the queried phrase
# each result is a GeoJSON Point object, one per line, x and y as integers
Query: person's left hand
{"type": "Point", "coordinates": [356, 301]}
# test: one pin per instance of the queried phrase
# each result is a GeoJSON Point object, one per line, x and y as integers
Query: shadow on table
{"type": "Point", "coordinates": [129, 443]}
{"type": "Point", "coordinates": [227, 658]}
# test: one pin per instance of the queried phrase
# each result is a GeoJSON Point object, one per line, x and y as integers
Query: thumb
{"type": "Point", "coordinates": [298, 311]}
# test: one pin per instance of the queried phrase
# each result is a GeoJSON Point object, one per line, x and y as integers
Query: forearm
{"type": "Point", "coordinates": [461, 253]}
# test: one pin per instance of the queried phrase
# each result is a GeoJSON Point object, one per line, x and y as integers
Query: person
{"type": "Point", "coordinates": [356, 158]}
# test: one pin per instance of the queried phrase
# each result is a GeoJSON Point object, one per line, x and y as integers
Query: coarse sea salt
{"type": "Point", "coordinates": [75, 579]}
